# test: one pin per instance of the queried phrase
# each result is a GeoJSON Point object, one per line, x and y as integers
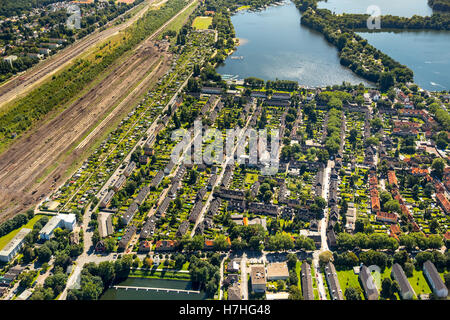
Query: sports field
{"type": "Point", "coordinates": [202, 23]}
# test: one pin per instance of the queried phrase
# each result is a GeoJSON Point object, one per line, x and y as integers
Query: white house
{"type": "Point", "coordinates": [13, 247]}
{"type": "Point", "coordinates": [434, 279]}
{"type": "Point", "coordinates": [65, 221]}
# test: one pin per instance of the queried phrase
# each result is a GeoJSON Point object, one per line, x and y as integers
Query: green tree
{"type": "Point", "coordinates": [352, 293]}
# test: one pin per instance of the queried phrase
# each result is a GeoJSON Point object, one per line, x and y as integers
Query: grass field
{"type": "Point", "coordinates": [251, 178]}
{"type": "Point", "coordinates": [7, 238]}
{"type": "Point", "coordinates": [347, 278]}
{"type": "Point", "coordinates": [202, 23]}
{"type": "Point", "coordinates": [419, 283]}
{"type": "Point", "coordinates": [159, 274]}
{"type": "Point", "coordinates": [243, 8]}
{"type": "Point", "coordinates": [179, 21]}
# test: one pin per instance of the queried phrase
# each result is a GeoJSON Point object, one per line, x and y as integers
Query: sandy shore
{"type": "Point", "coordinates": [241, 41]}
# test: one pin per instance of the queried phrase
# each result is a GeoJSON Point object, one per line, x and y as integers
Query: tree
{"type": "Point", "coordinates": [197, 243]}
{"type": "Point", "coordinates": [221, 243]}
{"type": "Point", "coordinates": [295, 293]}
{"type": "Point", "coordinates": [386, 81]}
{"type": "Point", "coordinates": [63, 260]}
{"type": "Point", "coordinates": [44, 254]}
{"type": "Point", "coordinates": [325, 257]}
{"type": "Point", "coordinates": [28, 255]}
{"type": "Point", "coordinates": [386, 288]}
{"type": "Point", "coordinates": [409, 269]}
{"type": "Point", "coordinates": [106, 272]}
{"type": "Point", "coordinates": [353, 135]}
{"type": "Point", "coordinates": [56, 282]}
{"type": "Point", "coordinates": [41, 293]}
{"type": "Point", "coordinates": [438, 166]}
{"type": "Point", "coordinates": [447, 279]}
{"type": "Point", "coordinates": [26, 278]}
{"type": "Point", "coordinates": [291, 261]}
{"type": "Point", "coordinates": [352, 293]}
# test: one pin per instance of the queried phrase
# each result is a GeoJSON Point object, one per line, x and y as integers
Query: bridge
{"type": "Point", "coordinates": [157, 289]}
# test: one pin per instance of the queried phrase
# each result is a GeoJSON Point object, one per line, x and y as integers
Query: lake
{"type": "Point", "coordinates": [132, 294]}
{"type": "Point", "coordinates": [402, 8]}
{"type": "Point", "coordinates": [275, 45]}
{"type": "Point", "coordinates": [427, 53]}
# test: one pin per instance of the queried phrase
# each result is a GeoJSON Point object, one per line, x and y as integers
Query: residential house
{"type": "Point", "coordinates": [306, 278]}
{"type": "Point", "coordinates": [333, 282]}
{"type": "Point", "coordinates": [406, 291]}
{"type": "Point", "coordinates": [368, 283]}
{"type": "Point", "coordinates": [13, 247]}
{"type": "Point", "coordinates": [434, 279]}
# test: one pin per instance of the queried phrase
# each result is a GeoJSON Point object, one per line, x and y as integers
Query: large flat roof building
{"type": "Point", "coordinates": [258, 278]}
{"type": "Point", "coordinates": [434, 279]}
{"type": "Point", "coordinates": [277, 271]}
{"type": "Point", "coordinates": [13, 246]}
{"type": "Point", "coordinates": [333, 282]}
{"type": "Point", "coordinates": [307, 288]}
{"type": "Point", "coordinates": [406, 291]}
{"type": "Point", "coordinates": [368, 283]}
{"type": "Point", "coordinates": [66, 221]}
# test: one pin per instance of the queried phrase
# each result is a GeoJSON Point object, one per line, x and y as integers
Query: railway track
{"type": "Point", "coordinates": [21, 83]}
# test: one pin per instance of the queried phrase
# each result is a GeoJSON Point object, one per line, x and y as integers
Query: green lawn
{"type": "Point", "coordinates": [347, 278]}
{"type": "Point", "coordinates": [419, 283]}
{"type": "Point", "coordinates": [158, 274]}
{"type": "Point", "coordinates": [7, 238]}
{"type": "Point", "coordinates": [251, 178]}
{"type": "Point", "coordinates": [298, 268]}
{"type": "Point", "coordinates": [202, 23]}
{"type": "Point", "coordinates": [243, 8]}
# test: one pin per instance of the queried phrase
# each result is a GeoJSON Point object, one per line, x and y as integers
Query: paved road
{"type": "Point", "coordinates": [323, 228]}
{"type": "Point", "coordinates": [244, 282]}
{"type": "Point", "coordinates": [221, 275]}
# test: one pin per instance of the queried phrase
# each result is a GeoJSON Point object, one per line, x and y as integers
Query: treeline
{"type": "Point", "coordinates": [15, 223]}
{"type": "Point", "coordinates": [216, 5]}
{"type": "Point", "coordinates": [359, 21]}
{"type": "Point", "coordinates": [284, 85]}
{"type": "Point", "coordinates": [95, 279]}
{"type": "Point", "coordinates": [333, 139]}
{"type": "Point", "coordinates": [439, 5]}
{"type": "Point", "coordinates": [51, 96]}
{"type": "Point", "coordinates": [442, 116]}
{"type": "Point", "coordinates": [381, 241]}
{"type": "Point", "coordinates": [354, 51]}
{"type": "Point", "coordinates": [225, 39]}
{"type": "Point", "coordinates": [349, 259]}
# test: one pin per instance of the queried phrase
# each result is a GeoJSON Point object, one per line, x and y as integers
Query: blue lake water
{"type": "Point", "coordinates": [427, 53]}
{"type": "Point", "coordinates": [275, 45]}
{"type": "Point", "coordinates": [133, 294]}
{"type": "Point", "coordinates": [402, 8]}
